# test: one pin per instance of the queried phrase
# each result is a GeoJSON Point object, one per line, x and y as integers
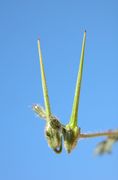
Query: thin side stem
{"type": "Point", "coordinates": [74, 115]}
{"type": "Point", "coordinates": [108, 133]}
{"type": "Point", "coordinates": [44, 86]}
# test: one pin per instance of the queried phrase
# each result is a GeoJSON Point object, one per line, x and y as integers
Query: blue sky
{"type": "Point", "coordinates": [60, 25]}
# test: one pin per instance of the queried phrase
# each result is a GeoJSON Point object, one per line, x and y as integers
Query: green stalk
{"type": "Point", "coordinates": [74, 116]}
{"type": "Point", "coordinates": [109, 133]}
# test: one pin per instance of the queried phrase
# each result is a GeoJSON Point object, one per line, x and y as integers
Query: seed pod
{"type": "Point", "coordinates": [70, 137]}
{"type": "Point", "coordinates": [54, 138]}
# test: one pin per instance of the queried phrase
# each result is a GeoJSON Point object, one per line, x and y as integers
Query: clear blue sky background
{"type": "Point", "coordinates": [24, 153]}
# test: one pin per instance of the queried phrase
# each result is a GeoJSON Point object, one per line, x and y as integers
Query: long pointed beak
{"type": "Point", "coordinates": [44, 85]}
{"type": "Point", "coordinates": [74, 115]}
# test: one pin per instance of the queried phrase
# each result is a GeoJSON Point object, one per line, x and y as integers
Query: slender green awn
{"type": "Point", "coordinates": [56, 133]}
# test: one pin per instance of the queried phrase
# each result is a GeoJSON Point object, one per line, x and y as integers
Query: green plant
{"type": "Point", "coordinates": [55, 131]}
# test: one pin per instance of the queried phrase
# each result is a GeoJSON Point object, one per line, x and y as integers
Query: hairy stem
{"type": "Point", "coordinates": [109, 133]}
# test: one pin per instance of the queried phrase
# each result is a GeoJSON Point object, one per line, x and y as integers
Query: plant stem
{"type": "Point", "coordinates": [109, 133]}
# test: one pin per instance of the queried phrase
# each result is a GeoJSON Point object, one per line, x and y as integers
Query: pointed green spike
{"type": "Point", "coordinates": [72, 131]}
{"type": "Point", "coordinates": [74, 115]}
{"type": "Point", "coordinates": [53, 126]}
{"type": "Point", "coordinates": [44, 86]}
